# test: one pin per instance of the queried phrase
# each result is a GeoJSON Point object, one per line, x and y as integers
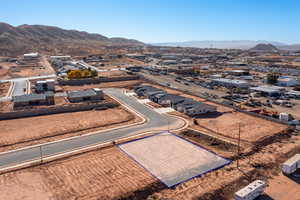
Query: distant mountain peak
{"type": "Point", "coordinates": [264, 47]}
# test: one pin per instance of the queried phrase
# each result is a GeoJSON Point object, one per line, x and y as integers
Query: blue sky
{"type": "Point", "coordinates": [164, 20]}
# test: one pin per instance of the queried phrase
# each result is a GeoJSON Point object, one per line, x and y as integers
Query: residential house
{"type": "Point", "coordinates": [45, 85]}
{"type": "Point", "coordinates": [192, 107]}
{"type": "Point", "coordinates": [94, 94]}
{"type": "Point", "coordinates": [46, 98]}
{"type": "Point", "coordinates": [170, 99]}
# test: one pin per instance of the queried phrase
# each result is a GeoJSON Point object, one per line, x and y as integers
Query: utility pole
{"type": "Point", "coordinates": [238, 149]}
{"type": "Point", "coordinates": [238, 154]}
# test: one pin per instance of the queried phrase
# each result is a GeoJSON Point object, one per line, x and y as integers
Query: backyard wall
{"type": "Point", "coordinates": [55, 110]}
{"type": "Point", "coordinates": [97, 80]}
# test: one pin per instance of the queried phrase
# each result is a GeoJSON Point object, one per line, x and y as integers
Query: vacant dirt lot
{"type": "Point", "coordinates": [114, 73]}
{"type": "Point", "coordinates": [13, 70]}
{"type": "Point", "coordinates": [110, 174]}
{"type": "Point", "coordinates": [32, 130]}
{"type": "Point", "coordinates": [251, 128]}
{"type": "Point", "coordinates": [121, 84]}
{"type": "Point", "coordinates": [4, 69]}
{"type": "Point", "coordinates": [4, 87]}
{"type": "Point", "coordinates": [103, 174]}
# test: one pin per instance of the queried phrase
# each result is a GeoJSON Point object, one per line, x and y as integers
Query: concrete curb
{"type": "Point", "coordinates": [11, 89]}
{"type": "Point", "coordinates": [28, 87]}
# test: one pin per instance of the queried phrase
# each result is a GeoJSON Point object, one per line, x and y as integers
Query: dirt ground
{"type": "Point", "coordinates": [121, 84]}
{"type": "Point", "coordinates": [27, 131]}
{"type": "Point", "coordinates": [13, 70]}
{"type": "Point", "coordinates": [4, 87]}
{"type": "Point", "coordinates": [103, 174]}
{"type": "Point", "coordinates": [110, 174]}
{"type": "Point", "coordinates": [283, 188]}
{"type": "Point", "coordinates": [251, 128]}
{"type": "Point", "coordinates": [4, 70]}
{"type": "Point", "coordinates": [6, 106]}
{"type": "Point", "coordinates": [115, 73]}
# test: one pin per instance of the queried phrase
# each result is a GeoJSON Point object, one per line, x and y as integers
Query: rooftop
{"type": "Point", "coordinates": [82, 93]}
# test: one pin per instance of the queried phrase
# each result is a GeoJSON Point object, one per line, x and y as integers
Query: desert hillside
{"type": "Point", "coordinates": [27, 38]}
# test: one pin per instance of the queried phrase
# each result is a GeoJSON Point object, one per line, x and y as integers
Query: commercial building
{"type": "Point", "coordinates": [266, 90]}
{"type": "Point", "coordinates": [94, 94]}
{"type": "Point", "coordinates": [46, 98]}
{"type": "Point", "coordinates": [230, 83]}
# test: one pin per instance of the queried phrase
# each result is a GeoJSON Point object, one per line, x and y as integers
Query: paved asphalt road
{"type": "Point", "coordinates": [29, 78]}
{"type": "Point", "coordinates": [20, 87]}
{"type": "Point", "coordinates": [156, 122]}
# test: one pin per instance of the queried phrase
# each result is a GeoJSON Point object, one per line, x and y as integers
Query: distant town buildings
{"type": "Point", "coordinates": [231, 83]}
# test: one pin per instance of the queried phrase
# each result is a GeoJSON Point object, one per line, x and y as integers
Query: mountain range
{"type": "Point", "coordinates": [30, 38]}
{"type": "Point", "coordinates": [16, 40]}
{"type": "Point", "coordinates": [229, 44]}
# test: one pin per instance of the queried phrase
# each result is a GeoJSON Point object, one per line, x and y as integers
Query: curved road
{"type": "Point", "coordinates": [155, 122]}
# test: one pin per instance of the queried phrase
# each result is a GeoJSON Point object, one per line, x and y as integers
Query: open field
{"type": "Point", "coordinates": [103, 174]}
{"type": "Point", "coordinates": [172, 159]}
{"type": "Point", "coordinates": [34, 130]}
{"type": "Point", "coordinates": [121, 84]}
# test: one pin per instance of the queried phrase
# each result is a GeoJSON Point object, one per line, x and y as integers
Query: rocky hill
{"type": "Point", "coordinates": [264, 48]}
{"type": "Point", "coordinates": [27, 38]}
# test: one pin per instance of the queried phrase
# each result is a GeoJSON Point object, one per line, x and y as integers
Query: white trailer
{"type": "Point", "coordinates": [291, 165]}
{"type": "Point", "coordinates": [251, 191]}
